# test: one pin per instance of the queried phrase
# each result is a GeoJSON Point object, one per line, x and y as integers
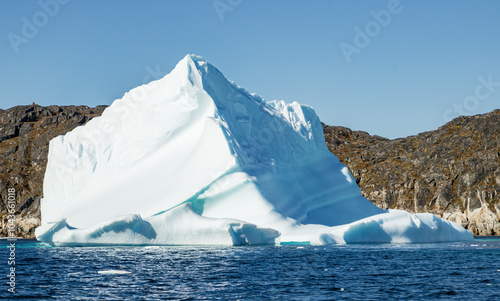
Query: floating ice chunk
{"type": "Point", "coordinates": [113, 272]}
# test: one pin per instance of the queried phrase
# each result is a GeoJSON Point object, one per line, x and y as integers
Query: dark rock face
{"type": "Point", "coordinates": [25, 132]}
{"type": "Point", "coordinates": [453, 172]}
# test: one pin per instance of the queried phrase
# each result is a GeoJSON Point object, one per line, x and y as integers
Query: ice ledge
{"type": "Point", "coordinates": [179, 226]}
{"type": "Point", "coordinates": [182, 226]}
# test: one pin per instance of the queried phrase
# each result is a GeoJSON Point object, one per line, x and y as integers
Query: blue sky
{"type": "Point", "coordinates": [391, 68]}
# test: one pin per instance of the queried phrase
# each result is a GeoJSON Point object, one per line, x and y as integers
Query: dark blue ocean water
{"type": "Point", "coordinates": [454, 271]}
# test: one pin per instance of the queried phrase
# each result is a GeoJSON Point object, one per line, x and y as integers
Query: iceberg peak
{"type": "Point", "coordinates": [187, 70]}
{"type": "Point", "coordinates": [194, 70]}
{"type": "Point", "coordinates": [196, 58]}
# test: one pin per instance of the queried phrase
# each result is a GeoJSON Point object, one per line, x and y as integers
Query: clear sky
{"type": "Point", "coordinates": [391, 68]}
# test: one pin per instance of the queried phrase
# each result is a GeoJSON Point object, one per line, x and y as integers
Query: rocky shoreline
{"type": "Point", "coordinates": [453, 172]}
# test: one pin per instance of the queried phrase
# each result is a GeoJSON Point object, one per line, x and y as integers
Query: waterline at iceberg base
{"type": "Point", "coordinates": [194, 159]}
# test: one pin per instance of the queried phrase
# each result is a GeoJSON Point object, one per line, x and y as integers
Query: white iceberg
{"type": "Point", "coordinates": [193, 158]}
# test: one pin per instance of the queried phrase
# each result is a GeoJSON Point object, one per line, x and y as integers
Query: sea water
{"type": "Point", "coordinates": [455, 271]}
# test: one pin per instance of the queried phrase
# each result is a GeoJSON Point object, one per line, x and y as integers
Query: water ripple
{"type": "Point", "coordinates": [416, 272]}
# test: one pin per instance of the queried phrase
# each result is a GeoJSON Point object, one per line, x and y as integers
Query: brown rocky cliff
{"type": "Point", "coordinates": [452, 172]}
{"type": "Point", "coordinates": [25, 132]}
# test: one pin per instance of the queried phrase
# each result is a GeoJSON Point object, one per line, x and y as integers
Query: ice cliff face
{"type": "Point", "coordinates": [195, 159]}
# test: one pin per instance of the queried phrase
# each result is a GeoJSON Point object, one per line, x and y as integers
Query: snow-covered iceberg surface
{"type": "Point", "coordinates": [193, 158]}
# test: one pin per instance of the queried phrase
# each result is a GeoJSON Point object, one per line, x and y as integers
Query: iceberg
{"type": "Point", "coordinates": [194, 159]}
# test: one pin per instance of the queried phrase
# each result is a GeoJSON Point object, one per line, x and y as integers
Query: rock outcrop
{"type": "Point", "coordinates": [452, 172]}
{"type": "Point", "coordinates": [25, 132]}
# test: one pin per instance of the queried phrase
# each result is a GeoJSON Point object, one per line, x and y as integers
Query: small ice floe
{"type": "Point", "coordinates": [113, 272]}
